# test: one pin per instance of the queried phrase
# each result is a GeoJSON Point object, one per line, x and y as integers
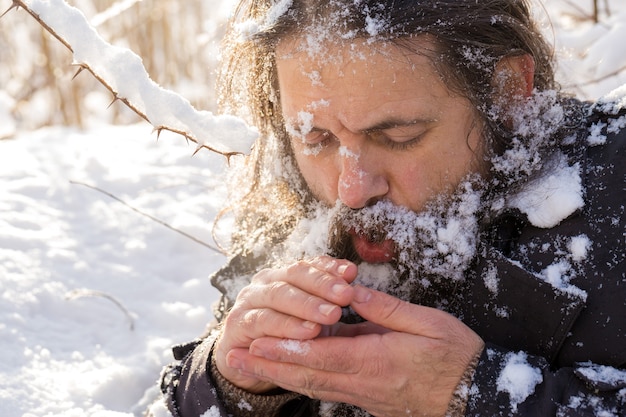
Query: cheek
{"type": "Point", "coordinates": [410, 185]}
{"type": "Point", "coordinates": [320, 175]}
{"type": "Point", "coordinates": [421, 178]}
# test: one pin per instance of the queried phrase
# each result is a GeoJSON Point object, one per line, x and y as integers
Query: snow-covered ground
{"type": "Point", "coordinates": [94, 293]}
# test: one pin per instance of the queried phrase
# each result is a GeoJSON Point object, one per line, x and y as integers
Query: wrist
{"type": "Point", "coordinates": [460, 396]}
{"type": "Point", "coordinates": [244, 403]}
{"type": "Point", "coordinates": [220, 364]}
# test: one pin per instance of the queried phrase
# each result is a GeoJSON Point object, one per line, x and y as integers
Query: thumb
{"type": "Point", "coordinates": [398, 315]}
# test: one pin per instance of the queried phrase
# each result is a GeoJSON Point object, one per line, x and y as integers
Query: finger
{"type": "Point", "coordinates": [339, 267]}
{"type": "Point", "coordinates": [401, 316]}
{"type": "Point", "coordinates": [325, 277]}
{"type": "Point", "coordinates": [291, 376]}
{"type": "Point", "coordinates": [325, 384]}
{"type": "Point", "coordinates": [334, 354]}
{"type": "Point", "coordinates": [252, 324]}
{"type": "Point", "coordinates": [284, 298]}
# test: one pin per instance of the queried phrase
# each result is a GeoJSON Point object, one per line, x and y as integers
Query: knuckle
{"type": "Point", "coordinates": [278, 290]}
{"type": "Point", "coordinates": [311, 382]}
{"type": "Point", "coordinates": [324, 262]}
{"type": "Point", "coordinates": [295, 267]}
{"type": "Point", "coordinates": [375, 366]}
{"type": "Point", "coordinates": [244, 294]}
{"type": "Point", "coordinates": [262, 277]}
{"type": "Point", "coordinates": [241, 321]}
{"type": "Point", "coordinates": [391, 308]}
{"type": "Point", "coordinates": [310, 307]}
{"type": "Point", "coordinates": [257, 316]}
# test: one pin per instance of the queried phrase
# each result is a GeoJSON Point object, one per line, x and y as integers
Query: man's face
{"type": "Point", "coordinates": [371, 122]}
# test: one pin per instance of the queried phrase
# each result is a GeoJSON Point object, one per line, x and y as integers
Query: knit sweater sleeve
{"type": "Point", "coordinates": [194, 387]}
{"type": "Point", "coordinates": [458, 404]}
{"type": "Point", "coordinates": [241, 403]}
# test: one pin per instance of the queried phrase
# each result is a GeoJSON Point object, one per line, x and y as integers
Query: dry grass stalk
{"type": "Point", "coordinates": [84, 66]}
{"type": "Point", "coordinates": [176, 39]}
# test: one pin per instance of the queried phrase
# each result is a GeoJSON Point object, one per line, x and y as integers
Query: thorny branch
{"type": "Point", "coordinates": [83, 66]}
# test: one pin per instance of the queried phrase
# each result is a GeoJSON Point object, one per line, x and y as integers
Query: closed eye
{"type": "Point", "coordinates": [398, 138]}
{"type": "Point", "coordinates": [317, 138]}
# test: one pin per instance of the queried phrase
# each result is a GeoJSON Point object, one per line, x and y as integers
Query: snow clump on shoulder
{"type": "Point", "coordinates": [552, 196]}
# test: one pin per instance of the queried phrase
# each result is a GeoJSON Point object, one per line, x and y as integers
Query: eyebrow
{"type": "Point", "coordinates": [395, 123]}
{"type": "Point", "coordinates": [383, 125]}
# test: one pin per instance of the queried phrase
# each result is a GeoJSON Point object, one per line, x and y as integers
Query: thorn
{"type": "Point", "coordinates": [158, 131]}
{"type": "Point", "coordinates": [80, 69]}
{"type": "Point", "coordinates": [15, 6]}
{"type": "Point", "coordinates": [114, 100]}
{"type": "Point", "coordinates": [197, 149]}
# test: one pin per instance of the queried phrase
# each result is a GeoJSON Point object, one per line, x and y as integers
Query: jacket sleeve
{"type": "Point", "coordinates": [186, 389]}
{"type": "Point", "coordinates": [517, 384]}
{"type": "Point", "coordinates": [193, 387]}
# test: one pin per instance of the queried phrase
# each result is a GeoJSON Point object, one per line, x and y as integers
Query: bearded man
{"type": "Point", "coordinates": [426, 227]}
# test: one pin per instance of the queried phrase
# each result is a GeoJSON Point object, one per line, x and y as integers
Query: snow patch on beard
{"type": "Point", "coordinates": [437, 244]}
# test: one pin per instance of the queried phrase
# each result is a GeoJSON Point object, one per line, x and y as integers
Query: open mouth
{"type": "Point", "coordinates": [373, 250]}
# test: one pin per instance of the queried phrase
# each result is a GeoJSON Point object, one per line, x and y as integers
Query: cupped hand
{"type": "Point", "coordinates": [289, 303]}
{"type": "Point", "coordinates": [405, 360]}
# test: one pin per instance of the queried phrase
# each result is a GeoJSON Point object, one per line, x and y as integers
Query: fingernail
{"type": "Point", "coordinates": [342, 269]}
{"type": "Point", "coordinates": [256, 351]}
{"type": "Point", "coordinates": [338, 289]}
{"type": "Point", "coordinates": [309, 325]}
{"type": "Point", "coordinates": [326, 309]}
{"type": "Point", "coordinates": [234, 362]}
{"type": "Point", "coordinates": [361, 294]}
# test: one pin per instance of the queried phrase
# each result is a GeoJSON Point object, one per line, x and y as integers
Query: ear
{"type": "Point", "coordinates": [513, 78]}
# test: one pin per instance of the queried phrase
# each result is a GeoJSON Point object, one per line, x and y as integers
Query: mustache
{"type": "Point", "coordinates": [439, 240]}
{"type": "Point", "coordinates": [376, 223]}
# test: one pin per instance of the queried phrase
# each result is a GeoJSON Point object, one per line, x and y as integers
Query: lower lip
{"type": "Point", "coordinates": [373, 253]}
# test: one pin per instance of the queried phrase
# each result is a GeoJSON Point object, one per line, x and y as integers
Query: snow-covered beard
{"type": "Point", "coordinates": [434, 247]}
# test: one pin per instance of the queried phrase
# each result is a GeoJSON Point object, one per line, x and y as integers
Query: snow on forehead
{"type": "Point", "coordinates": [315, 57]}
{"type": "Point", "coordinates": [340, 22]}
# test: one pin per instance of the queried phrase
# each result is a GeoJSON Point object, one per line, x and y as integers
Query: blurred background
{"type": "Point", "coordinates": [179, 40]}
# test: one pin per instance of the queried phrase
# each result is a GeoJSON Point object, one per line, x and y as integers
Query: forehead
{"type": "Point", "coordinates": [357, 75]}
{"type": "Point", "coordinates": [311, 52]}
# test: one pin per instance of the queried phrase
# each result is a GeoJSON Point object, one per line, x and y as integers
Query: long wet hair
{"type": "Point", "coordinates": [470, 37]}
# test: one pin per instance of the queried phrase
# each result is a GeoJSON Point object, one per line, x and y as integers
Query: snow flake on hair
{"type": "Point", "coordinates": [535, 125]}
{"type": "Point", "coordinates": [250, 28]}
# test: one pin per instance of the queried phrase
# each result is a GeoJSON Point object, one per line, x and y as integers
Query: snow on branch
{"type": "Point", "coordinates": [122, 72]}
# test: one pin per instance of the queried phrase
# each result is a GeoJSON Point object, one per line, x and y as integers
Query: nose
{"type": "Point", "coordinates": [361, 179]}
